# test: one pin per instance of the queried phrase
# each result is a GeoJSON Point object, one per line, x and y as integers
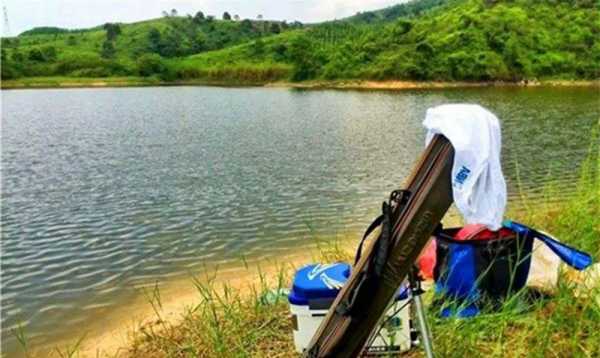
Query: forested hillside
{"type": "Point", "coordinates": [469, 40]}
{"type": "Point", "coordinates": [126, 49]}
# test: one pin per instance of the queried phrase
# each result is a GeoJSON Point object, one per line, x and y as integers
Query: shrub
{"type": "Point", "coordinates": [79, 61]}
{"type": "Point", "coordinates": [9, 71]}
{"type": "Point", "coordinates": [150, 64]}
{"type": "Point", "coordinates": [36, 55]}
{"type": "Point", "coordinates": [49, 53]}
{"type": "Point", "coordinates": [108, 49]}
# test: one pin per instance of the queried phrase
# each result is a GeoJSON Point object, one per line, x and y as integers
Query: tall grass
{"type": "Point", "coordinates": [564, 325]}
{"type": "Point", "coordinates": [239, 74]}
{"type": "Point", "coordinates": [234, 322]}
{"type": "Point", "coordinates": [253, 320]}
{"type": "Point", "coordinates": [230, 321]}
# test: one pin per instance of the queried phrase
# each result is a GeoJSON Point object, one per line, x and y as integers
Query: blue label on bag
{"type": "Point", "coordinates": [462, 175]}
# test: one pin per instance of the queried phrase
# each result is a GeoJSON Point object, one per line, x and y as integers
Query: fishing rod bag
{"type": "Point", "coordinates": [409, 219]}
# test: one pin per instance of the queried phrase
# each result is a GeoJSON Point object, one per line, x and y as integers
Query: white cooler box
{"type": "Point", "coordinates": [313, 291]}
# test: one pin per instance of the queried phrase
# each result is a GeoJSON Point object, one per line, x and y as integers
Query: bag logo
{"type": "Point", "coordinates": [462, 175]}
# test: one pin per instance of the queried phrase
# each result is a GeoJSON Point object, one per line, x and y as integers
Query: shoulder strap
{"type": "Point", "coordinates": [374, 225]}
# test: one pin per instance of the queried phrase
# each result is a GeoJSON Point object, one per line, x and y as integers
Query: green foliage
{"type": "Point", "coordinates": [303, 55]}
{"type": "Point", "coordinates": [226, 16]}
{"type": "Point", "coordinates": [274, 28]}
{"type": "Point", "coordinates": [89, 65]}
{"type": "Point", "coordinates": [257, 49]}
{"type": "Point", "coordinates": [35, 55]}
{"type": "Point", "coordinates": [9, 70]}
{"type": "Point", "coordinates": [112, 31]}
{"type": "Point", "coordinates": [17, 56]}
{"type": "Point", "coordinates": [151, 64]}
{"type": "Point", "coordinates": [71, 40]}
{"type": "Point", "coordinates": [45, 51]}
{"type": "Point", "coordinates": [446, 40]}
{"type": "Point", "coordinates": [408, 9]}
{"type": "Point", "coordinates": [198, 18]}
{"type": "Point", "coordinates": [108, 49]}
{"type": "Point", "coordinates": [46, 30]}
{"type": "Point", "coordinates": [465, 40]}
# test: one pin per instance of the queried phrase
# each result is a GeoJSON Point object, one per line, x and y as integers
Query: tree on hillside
{"type": "Point", "coordinates": [49, 53]}
{"type": "Point", "coordinates": [226, 16]}
{"type": "Point", "coordinates": [259, 17]}
{"type": "Point", "coordinates": [306, 62]}
{"type": "Point", "coordinates": [150, 64]}
{"type": "Point", "coordinates": [236, 17]}
{"type": "Point", "coordinates": [10, 70]}
{"type": "Point", "coordinates": [35, 55]}
{"type": "Point", "coordinates": [173, 12]}
{"type": "Point", "coordinates": [199, 17]}
{"type": "Point", "coordinates": [108, 49]}
{"type": "Point", "coordinates": [171, 44]}
{"type": "Point", "coordinates": [112, 31]}
{"type": "Point", "coordinates": [199, 42]}
{"type": "Point", "coordinates": [257, 48]}
{"type": "Point", "coordinates": [71, 40]}
{"type": "Point", "coordinates": [154, 40]}
{"type": "Point", "coordinates": [246, 25]}
{"type": "Point", "coordinates": [17, 56]}
{"type": "Point", "coordinates": [275, 28]}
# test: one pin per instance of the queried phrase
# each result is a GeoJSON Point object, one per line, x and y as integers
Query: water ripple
{"type": "Point", "coordinates": [109, 190]}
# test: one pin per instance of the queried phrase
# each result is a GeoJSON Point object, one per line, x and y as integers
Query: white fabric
{"type": "Point", "coordinates": [478, 185]}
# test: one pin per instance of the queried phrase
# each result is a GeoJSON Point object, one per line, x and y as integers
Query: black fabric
{"type": "Point", "coordinates": [502, 264]}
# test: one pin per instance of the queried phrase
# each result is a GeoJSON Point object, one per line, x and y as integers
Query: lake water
{"type": "Point", "coordinates": [105, 190]}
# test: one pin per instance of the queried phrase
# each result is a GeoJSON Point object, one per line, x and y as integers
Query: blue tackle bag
{"type": "Point", "coordinates": [484, 266]}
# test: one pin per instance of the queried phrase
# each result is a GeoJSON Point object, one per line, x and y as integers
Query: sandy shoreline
{"type": "Point", "coordinates": [50, 82]}
{"type": "Point", "coordinates": [112, 334]}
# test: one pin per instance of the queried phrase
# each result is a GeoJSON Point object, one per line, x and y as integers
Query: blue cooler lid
{"type": "Point", "coordinates": [317, 282]}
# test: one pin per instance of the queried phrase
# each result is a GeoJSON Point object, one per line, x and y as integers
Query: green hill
{"type": "Point", "coordinates": [391, 13]}
{"type": "Point", "coordinates": [471, 40]}
{"type": "Point", "coordinates": [117, 49]}
{"type": "Point", "coordinates": [467, 40]}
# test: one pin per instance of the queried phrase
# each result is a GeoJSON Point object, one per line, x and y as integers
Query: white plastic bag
{"type": "Point", "coordinates": [478, 185]}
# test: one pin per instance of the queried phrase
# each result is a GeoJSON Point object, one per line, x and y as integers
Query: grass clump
{"type": "Point", "coordinates": [233, 322]}
{"type": "Point", "coordinates": [226, 322]}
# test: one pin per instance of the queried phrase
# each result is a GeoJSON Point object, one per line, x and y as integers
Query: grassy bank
{"type": "Point", "coordinates": [231, 321]}
{"type": "Point", "coordinates": [243, 317]}
{"type": "Point", "coordinates": [268, 78]}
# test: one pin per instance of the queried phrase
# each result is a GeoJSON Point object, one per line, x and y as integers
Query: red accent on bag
{"type": "Point", "coordinates": [426, 261]}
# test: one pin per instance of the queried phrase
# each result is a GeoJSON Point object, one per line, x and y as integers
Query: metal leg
{"type": "Point", "coordinates": [415, 290]}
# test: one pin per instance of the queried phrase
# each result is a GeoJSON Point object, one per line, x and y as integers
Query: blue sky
{"type": "Point", "coordinates": [25, 14]}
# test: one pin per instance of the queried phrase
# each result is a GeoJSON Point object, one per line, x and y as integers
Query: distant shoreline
{"type": "Point", "coordinates": [108, 82]}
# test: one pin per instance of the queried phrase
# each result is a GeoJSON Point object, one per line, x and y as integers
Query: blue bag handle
{"type": "Point", "coordinates": [579, 260]}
